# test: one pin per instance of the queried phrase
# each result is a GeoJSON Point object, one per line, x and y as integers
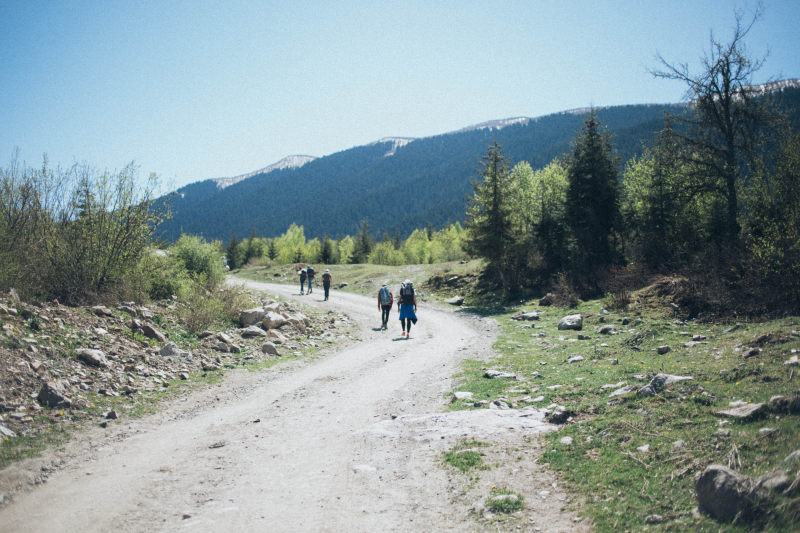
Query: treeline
{"type": "Point", "coordinates": [716, 196]}
{"type": "Point", "coordinates": [422, 246]}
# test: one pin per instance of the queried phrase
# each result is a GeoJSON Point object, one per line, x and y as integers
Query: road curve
{"type": "Point", "coordinates": [289, 449]}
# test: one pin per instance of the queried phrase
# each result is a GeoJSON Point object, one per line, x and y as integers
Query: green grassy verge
{"type": "Point", "coordinates": [625, 458]}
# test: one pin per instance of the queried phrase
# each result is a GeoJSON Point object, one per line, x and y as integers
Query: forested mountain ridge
{"type": "Point", "coordinates": [398, 184]}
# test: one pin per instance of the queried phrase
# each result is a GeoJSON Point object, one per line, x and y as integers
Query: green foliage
{"type": "Point", "coordinates": [165, 276]}
{"type": "Point", "coordinates": [199, 258]}
{"type": "Point", "coordinates": [73, 234]}
{"type": "Point", "coordinates": [489, 215]}
{"type": "Point", "coordinates": [506, 501]}
{"type": "Point", "coordinates": [466, 455]}
{"type": "Point", "coordinates": [593, 199]}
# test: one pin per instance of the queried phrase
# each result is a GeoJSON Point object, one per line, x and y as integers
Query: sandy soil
{"type": "Point", "coordinates": [352, 441]}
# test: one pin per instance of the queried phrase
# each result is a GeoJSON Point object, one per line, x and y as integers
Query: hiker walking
{"type": "Point", "coordinates": [310, 274]}
{"type": "Point", "coordinates": [407, 305]}
{"type": "Point", "coordinates": [385, 300]}
{"type": "Point", "coordinates": [302, 273]}
{"type": "Point", "coordinates": [326, 282]}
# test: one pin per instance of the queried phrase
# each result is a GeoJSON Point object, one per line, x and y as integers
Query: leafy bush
{"type": "Point", "coordinates": [165, 277]}
{"type": "Point", "coordinates": [199, 310]}
{"type": "Point", "coordinates": [201, 259]}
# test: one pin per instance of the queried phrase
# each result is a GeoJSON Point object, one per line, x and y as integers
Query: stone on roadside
{"type": "Point", "coordinates": [455, 300]}
{"type": "Point", "coordinates": [269, 348]}
{"type": "Point", "coordinates": [273, 320]}
{"type": "Point", "coordinates": [171, 350]}
{"type": "Point", "coordinates": [92, 357]}
{"type": "Point", "coordinates": [497, 374]}
{"type": "Point", "coordinates": [251, 317]}
{"type": "Point", "coordinates": [53, 394]}
{"type": "Point", "coordinates": [7, 433]}
{"type": "Point", "coordinates": [573, 322]}
{"type": "Point", "coordinates": [462, 395]}
{"type": "Point", "coordinates": [252, 331]}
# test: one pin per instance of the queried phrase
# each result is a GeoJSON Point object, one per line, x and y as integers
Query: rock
{"type": "Point", "coordinates": [499, 404]}
{"type": "Point", "coordinates": [455, 300]}
{"type": "Point", "coordinates": [171, 350]}
{"type": "Point", "coordinates": [779, 404]}
{"type": "Point", "coordinates": [743, 411]}
{"type": "Point", "coordinates": [566, 441]}
{"type": "Point", "coordinates": [223, 337]}
{"type": "Point", "coordinates": [501, 498]}
{"type": "Point", "coordinates": [529, 316]}
{"type": "Point", "coordinates": [582, 337]}
{"type": "Point", "coordinates": [792, 361]}
{"type": "Point", "coordinates": [547, 299]}
{"type": "Point", "coordinates": [725, 494]}
{"type": "Point", "coordinates": [274, 320]}
{"type": "Point", "coordinates": [343, 285]}
{"type": "Point", "coordinates": [222, 347]}
{"type": "Point", "coordinates": [608, 329]}
{"type": "Point", "coordinates": [752, 352]}
{"type": "Point", "coordinates": [497, 374]}
{"type": "Point", "coordinates": [574, 322]}
{"type": "Point", "coordinates": [252, 331]}
{"type": "Point", "coordinates": [276, 336]}
{"type": "Point", "coordinates": [559, 415]}
{"type": "Point", "coordinates": [679, 444]}
{"type": "Point", "coordinates": [644, 448]}
{"type": "Point", "coordinates": [111, 415]}
{"type": "Point", "coordinates": [626, 320]}
{"type": "Point", "coordinates": [622, 391]}
{"type": "Point", "coordinates": [698, 338]}
{"type": "Point", "coordinates": [661, 350]}
{"type": "Point", "coordinates": [269, 348]}
{"type": "Point", "coordinates": [152, 333]}
{"type": "Point", "coordinates": [6, 433]}
{"type": "Point", "coordinates": [792, 457]}
{"type": "Point", "coordinates": [654, 519]}
{"type": "Point", "coordinates": [775, 481]}
{"type": "Point", "coordinates": [612, 386]}
{"type": "Point", "coordinates": [92, 357]}
{"type": "Point", "coordinates": [462, 395]}
{"type": "Point", "coordinates": [660, 381]}
{"type": "Point", "coordinates": [102, 310]}
{"type": "Point", "coordinates": [575, 359]}
{"type": "Point", "coordinates": [184, 375]}
{"type": "Point", "coordinates": [251, 317]}
{"type": "Point", "coordinates": [53, 394]}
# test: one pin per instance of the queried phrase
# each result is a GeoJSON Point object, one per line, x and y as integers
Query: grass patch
{"type": "Point", "coordinates": [465, 457]}
{"type": "Point", "coordinates": [632, 456]}
{"type": "Point", "coordinates": [504, 501]}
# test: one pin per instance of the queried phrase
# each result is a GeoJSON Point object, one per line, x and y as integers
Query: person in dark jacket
{"type": "Point", "coordinates": [302, 273]}
{"type": "Point", "coordinates": [326, 282]}
{"type": "Point", "coordinates": [385, 301]}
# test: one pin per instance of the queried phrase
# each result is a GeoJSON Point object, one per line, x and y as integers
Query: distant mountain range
{"type": "Point", "coordinates": [399, 183]}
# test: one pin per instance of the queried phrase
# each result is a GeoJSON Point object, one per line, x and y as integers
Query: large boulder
{"type": "Point", "coordinates": [152, 333]}
{"type": "Point", "coordinates": [92, 357]}
{"type": "Point", "coordinates": [251, 317]}
{"type": "Point", "coordinates": [273, 320]}
{"type": "Point", "coordinates": [53, 394]}
{"type": "Point", "coordinates": [574, 322]}
{"type": "Point", "coordinates": [660, 381]}
{"type": "Point", "coordinates": [725, 494]}
{"type": "Point", "coordinates": [171, 350]}
{"type": "Point", "coordinates": [252, 331]}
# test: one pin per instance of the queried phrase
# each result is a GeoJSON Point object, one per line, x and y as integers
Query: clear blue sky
{"type": "Point", "coordinates": [198, 89]}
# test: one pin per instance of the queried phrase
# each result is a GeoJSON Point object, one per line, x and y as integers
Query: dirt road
{"type": "Point", "coordinates": [352, 441]}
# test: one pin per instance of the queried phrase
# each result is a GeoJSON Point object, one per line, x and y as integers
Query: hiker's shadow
{"type": "Point", "coordinates": [377, 329]}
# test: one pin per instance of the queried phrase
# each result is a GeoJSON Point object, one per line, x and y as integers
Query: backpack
{"type": "Point", "coordinates": [384, 296]}
{"type": "Point", "coordinates": [309, 271]}
{"type": "Point", "coordinates": [407, 294]}
{"type": "Point", "coordinates": [303, 275]}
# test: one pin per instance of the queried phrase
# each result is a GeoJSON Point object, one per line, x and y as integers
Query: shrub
{"type": "Point", "coordinates": [201, 259]}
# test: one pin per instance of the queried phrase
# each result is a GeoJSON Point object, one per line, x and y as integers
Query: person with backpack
{"type": "Point", "coordinates": [407, 305]}
{"type": "Point", "coordinates": [302, 273]}
{"type": "Point", "coordinates": [310, 274]}
{"type": "Point", "coordinates": [326, 282]}
{"type": "Point", "coordinates": [385, 301]}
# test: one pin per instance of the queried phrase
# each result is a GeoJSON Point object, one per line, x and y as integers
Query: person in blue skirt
{"type": "Point", "coordinates": [407, 305]}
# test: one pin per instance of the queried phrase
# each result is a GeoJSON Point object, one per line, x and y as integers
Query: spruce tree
{"type": "Point", "coordinates": [489, 215]}
{"type": "Point", "coordinates": [592, 199]}
{"type": "Point", "coordinates": [231, 251]}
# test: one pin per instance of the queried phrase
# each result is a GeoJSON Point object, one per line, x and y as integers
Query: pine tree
{"type": "Point", "coordinates": [592, 199]}
{"type": "Point", "coordinates": [489, 215]}
{"type": "Point", "coordinates": [363, 243]}
{"type": "Point", "coordinates": [232, 252]}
